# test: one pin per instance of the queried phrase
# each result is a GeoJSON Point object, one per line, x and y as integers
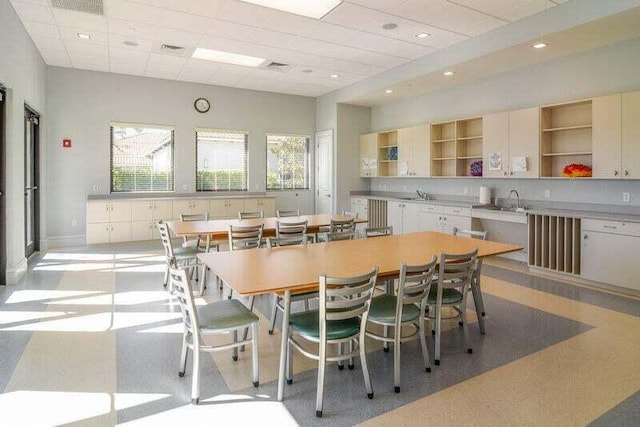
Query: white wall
{"type": "Point", "coordinates": [352, 121]}
{"type": "Point", "coordinates": [22, 72]}
{"type": "Point", "coordinates": [83, 103]}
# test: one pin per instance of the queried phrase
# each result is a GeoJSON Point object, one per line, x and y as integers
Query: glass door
{"type": "Point", "coordinates": [31, 181]}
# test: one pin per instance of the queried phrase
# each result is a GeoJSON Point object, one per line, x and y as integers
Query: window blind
{"type": "Point", "coordinates": [287, 162]}
{"type": "Point", "coordinates": [221, 160]}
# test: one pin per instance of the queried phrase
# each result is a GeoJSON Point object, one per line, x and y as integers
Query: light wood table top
{"type": "Point", "coordinates": [265, 270]}
{"type": "Point", "coordinates": [220, 228]}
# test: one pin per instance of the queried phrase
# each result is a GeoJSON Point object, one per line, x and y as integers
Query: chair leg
{"type": "Point", "coordinates": [385, 344]}
{"type": "Point", "coordinates": [195, 381]}
{"type": "Point", "coordinates": [423, 344]}
{"type": "Point", "coordinates": [340, 362]}
{"type": "Point", "coordinates": [183, 356]}
{"type": "Point", "coordinates": [274, 313]}
{"type": "Point", "coordinates": [479, 304]}
{"type": "Point", "coordinates": [322, 361]}
{"type": "Point", "coordinates": [437, 324]}
{"type": "Point", "coordinates": [396, 358]}
{"type": "Point", "coordinates": [246, 330]}
{"type": "Point", "coordinates": [254, 354]}
{"type": "Point", "coordinates": [166, 277]}
{"type": "Point", "coordinates": [351, 362]}
{"type": "Point", "coordinates": [289, 361]}
{"type": "Point", "coordinates": [363, 362]}
{"type": "Point", "coordinates": [234, 355]}
{"type": "Point", "coordinates": [465, 335]}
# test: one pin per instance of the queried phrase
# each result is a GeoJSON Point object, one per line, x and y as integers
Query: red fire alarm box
{"type": "Point", "coordinates": [66, 143]}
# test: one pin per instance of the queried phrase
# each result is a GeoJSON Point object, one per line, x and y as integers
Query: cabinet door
{"type": "Point", "coordinates": [269, 207]}
{"type": "Point", "coordinates": [235, 206]}
{"type": "Point", "coordinates": [120, 232]}
{"type": "Point", "coordinates": [394, 216]}
{"type": "Point", "coordinates": [524, 140]}
{"type": "Point", "coordinates": [450, 221]}
{"type": "Point", "coordinates": [97, 233]}
{"type": "Point", "coordinates": [405, 151]}
{"type": "Point", "coordinates": [251, 205]}
{"type": "Point", "coordinates": [218, 209]}
{"type": "Point", "coordinates": [182, 206]}
{"type": "Point", "coordinates": [607, 136]}
{"type": "Point", "coordinates": [495, 145]}
{"type": "Point", "coordinates": [199, 206]}
{"type": "Point", "coordinates": [369, 155]}
{"type": "Point", "coordinates": [420, 163]}
{"type": "Point", "coordinates": [161, 210]}
{"type": "Point", "coordinates": [429, 221]}
{"type": "Point", "coordinates": [141, 230]}
{"type": "Point", "coordinates": [410, 218]}
{"type": "Point", "coordinates": [631, 135]}
{"type": "Point", "coordinates": [141, 210]}
{"type": "Point", "coordinates": [98, 211]}
{"type": "Point", "coordinates": [610, 258]}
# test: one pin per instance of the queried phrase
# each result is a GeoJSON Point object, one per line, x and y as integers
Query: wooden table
{"type": "Point", "coordinates": [297, 268]}
{"type": "Point", "coordinates": [219, 229]}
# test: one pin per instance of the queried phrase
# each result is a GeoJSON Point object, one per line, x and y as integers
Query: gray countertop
{"type": "Point", "coordinates": [157, 196]}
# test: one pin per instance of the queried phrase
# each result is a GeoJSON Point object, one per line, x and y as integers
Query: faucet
{"type": "Point", "coordinates": [517, 198]}
{"type": "Point", "coordinates": [423, 196]}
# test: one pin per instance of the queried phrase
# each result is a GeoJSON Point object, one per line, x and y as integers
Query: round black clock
{"type": "Point", "coordinates": [202, 105]}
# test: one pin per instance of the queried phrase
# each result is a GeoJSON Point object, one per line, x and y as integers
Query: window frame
{"type": "Point", "coordinates": [307, 160]}
{"type": "Point", "coordinates": [144, 126]}
{"type": "Point", "coordinates": [246, 160]}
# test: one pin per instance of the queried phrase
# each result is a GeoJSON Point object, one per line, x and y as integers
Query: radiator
{"type": "Point", "coordinates": [554, 243]}
{"type": "Point", "coordinates": [377, 213]}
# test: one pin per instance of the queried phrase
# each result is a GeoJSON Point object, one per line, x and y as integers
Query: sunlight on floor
{"type": "Point", "coordinates": [120, 298]}
{"type": "Point", "coordinates": [40, 295]}
{"type": "Point", "coordinates": [99, 322]}
{"type": "Point", "coordinates": [128, 262]}
{"type": "Point", "coordinates": [7, 317]}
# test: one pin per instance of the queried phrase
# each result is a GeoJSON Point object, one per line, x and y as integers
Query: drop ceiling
{"type": "Point", "coordinates": [349, 42]}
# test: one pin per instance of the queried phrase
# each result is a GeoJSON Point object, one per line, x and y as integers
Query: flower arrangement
{"type": "Point", "coordinates": [576, 170]}
{"type": "Point", "coordinates": [476, 168]}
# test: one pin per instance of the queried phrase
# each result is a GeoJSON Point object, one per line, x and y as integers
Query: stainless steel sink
{"type": "Point", "coordinates": [501, 209]}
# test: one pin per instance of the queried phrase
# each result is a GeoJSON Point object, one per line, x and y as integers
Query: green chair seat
{"type": "Point", "coordinates": [186, 252]}
{"type": "Point", "coordinates": [449, 296]}
{"type": "Point", "coordinates": [308, 324]}
{"type": "Point", "coordinates": [224, 315]}
{"type": "Point", "coordinates": [383, 310]}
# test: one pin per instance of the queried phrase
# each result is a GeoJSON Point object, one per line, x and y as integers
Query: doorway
{"type": "Point", "coordinates": [3, 168]}
{"type": "Point", "coordinates": [324, 172]}
{"type": "Point", "coordinates": [31, 181]}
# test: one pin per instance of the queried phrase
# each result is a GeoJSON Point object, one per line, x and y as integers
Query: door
{"type": "Point", "coordinates": [631, 135]}
{"type": "Point", "coordinates": [495, 145]}
{"type": "Point", "coordinates": [395, 210]}
{"type": "Point", "coordinates": [3, 245]}
{"type": "Point", "coordinates": [31, 181]}
{"type": "Point", "coordinates": [524, 141]}
{"type": "Point", "coordinates": [410, 218]}
{"type": "Point", "coordinates": [324, 172]}
{"type": "Point", "coordinates": [607, 136]}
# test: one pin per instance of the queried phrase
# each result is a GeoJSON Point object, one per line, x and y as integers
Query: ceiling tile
{"type": "Point", "coordinates": [123, 55]}
{"type": "Point", "coordinates": [97, 38]}
{"type": "Point", "coordinates": [510, 10]}
{"type": "Point", "coordinates": [98, 57]}
{"type": "Point", "coordinates": [34, 13]}
{"type": "Point", "coordinates": [229, 30]}
{"type": "Point", "coordinates": [225, 78]}
{"type": "Point", "coordinates": [199, 64]}
{"type": "Point", "coordinates": [77, 47]}
{"type": "Point", "coordinates": [129, 11]}
{"type": "Point", "coordinates": [92, 66]}
{"type": "Point", "coordinates": [157, 58]}
{"type": "Point", "coordinates": [289, 23]}
{"type": "Point", "coordinates": [184, 21]}
{"type": "Point", "coordinates": [116, 41]}
{"type": "Point", "coordinates": [333, 33]}
{"type": "Point", "coordinates": [162, 71]}
{"type": "Point", "coordinates": [382, 5]}
{"type": "Point", "coordinates": [55, 57]}
{"type": "Point", "coordinates": [244, 13]}
{"type": "Point", "coordinates": [39, 29]}
{"type": "Point", "coordinates": [272, 38]}
{"type": "Point", "coordinates": [47, 43]}
{"type": "Point", "coordinates": [208, 8]}
{"type": "Point", "coordinates": [127, 68]}
{"type": "Point", "coordinates": [132, 29]}
{"type": "Point", "coordinates": [195, 75]}
{"type": "Point", "coordinates": [354, 16]}
{"type": "Point", "coordinates": [37, 2]}
{"type": "Point", "coordinates": [176, 37]}
{"type": "Point", "coordinates": [86, 21]}
{"type": "Point", "coordinates": [403, 49]}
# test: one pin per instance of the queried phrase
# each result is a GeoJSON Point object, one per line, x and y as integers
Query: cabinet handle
{"type": "Point", "coordinates": [111, 228]}
{"type": "Point", "coordinates": [626, 172]}
{"type": "Point", "coordinates": [106, 207]}
{"type": "Point", "coordinates": [511, 173]}
{"type": "Point", "coordinates": [615, 173]}
{"type": "Point", "coordinates": [505, 173]}
{"type": "Point", "coordinates": [611, 227]}
{"type": "Point", "coordinates": [586, 236]}
{"type": "Point", "coordinates": [444, 218]}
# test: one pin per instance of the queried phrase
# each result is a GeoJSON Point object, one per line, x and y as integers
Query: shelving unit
{"type": "Point", "coordinates": [387, 166]}
{"type": "Point", "coordinates": [454, 146]}
{"type": "Point", "coordinates": [566, 131]}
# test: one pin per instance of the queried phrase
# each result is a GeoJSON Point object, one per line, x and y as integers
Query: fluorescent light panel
{"type": "Point", "coordinates": [539, 45]}
{"type": "Point", "coordinates": [227, 57]}
{"type": "Point", "coordinates": [315, 9]}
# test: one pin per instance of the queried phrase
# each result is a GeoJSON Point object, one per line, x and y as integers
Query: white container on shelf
{"type": "Point", "coordinates": [485, 195]}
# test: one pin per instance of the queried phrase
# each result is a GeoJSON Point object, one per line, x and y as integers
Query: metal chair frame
{"type": "Point", "coordinates": [280, 213]}
{"type": "Point", "coordinates": [250, 215]}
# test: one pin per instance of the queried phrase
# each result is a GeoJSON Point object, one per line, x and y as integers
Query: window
{"type": "Point", "coordinates": [221, 160]}
{"type": "Point", "coordinates": [141, 158]}
{"type": "Point", "coordinates": [287, 162]}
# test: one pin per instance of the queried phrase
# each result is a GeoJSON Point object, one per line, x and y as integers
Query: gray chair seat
{"type": "Point", "coordinates": [186, 252]}
{"type": "Point", "coordinates": [307, 324]}
{"type": "Point", "coordinates": [449, 296]}
{"type": "Point", "coordinates": [225, 314]}
{"type": "Point", "coordinates": [383, 310]}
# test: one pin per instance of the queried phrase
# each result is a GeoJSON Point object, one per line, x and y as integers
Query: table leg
{"type": "Point", "coordinates": [283, 345]}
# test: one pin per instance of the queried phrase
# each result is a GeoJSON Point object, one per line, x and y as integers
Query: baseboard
{"type": "Point", "coordinates": [65, 241]}
{"type": "Point", "coordinates": [18, 272]}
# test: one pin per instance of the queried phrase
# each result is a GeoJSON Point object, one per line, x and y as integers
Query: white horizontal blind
{"type": "Point", "coordinates": [221, 160]}
{"type": "Point", "coordinates": [141, 158]}
{"type": "Point", "coordinates": [287, 162]}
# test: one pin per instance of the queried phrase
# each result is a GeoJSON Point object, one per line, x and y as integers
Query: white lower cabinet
{"type": "Point", "coordinates": [443, 218]}
{"type": "Point", "coordinates": [610, 252]}
{"type": "Point", "coordinates": [108, 232]}
{"type": "Point", "coordinates": [268, 206]}
{"type": "Point", "coordinates": [403, 217]}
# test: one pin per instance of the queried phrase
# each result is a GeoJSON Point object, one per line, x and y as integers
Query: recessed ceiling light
{"type": "Point", "coordinates": [227, 57]}
{"type": "Point", "coordinates": [539, 45]}
{"type": "Point", "coordinates": [388, 91]}
{"type": "Point", "coordinates": [448, 73]}
{"type": "Point", "coordinates": [307, 71]}
{"type": "Point", "coordinates": [312, 8]}
{"type": "Point", "coordinates": [84, 36]}
{"type": "Point", "coordinates": [334, 76]}
{"type": "Point", "coordinates": [422, 35]}
{"type": "Point", "coordinates": [390, 26]}
{"type": "Point", "coordinates": [130, 43]}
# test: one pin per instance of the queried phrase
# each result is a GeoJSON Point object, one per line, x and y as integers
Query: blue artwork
{"type": "Point", "coordinates": [393, 153]}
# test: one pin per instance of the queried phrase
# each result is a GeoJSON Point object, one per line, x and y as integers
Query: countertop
{"type": "Point", "coordinates": [157, 196]}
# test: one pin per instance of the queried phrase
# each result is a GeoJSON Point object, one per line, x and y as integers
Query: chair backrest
{"type": "Point", "coordinates": [250, 215]}
{"type": "Point", "coordinates": [245, 236]}
{"type": "Point", "coordinates": [340, 235]}
{"type": "Point", "coordinates": [283, 213]}
{"type": "Point", "coordinates": [456, 270]}
{"type": "Point", "coordinates": [179, 282]}
{"type": "Point", "coordinates": [378, 231]}
{"type": "Point", "coordinates": [346, 297]}
{"type": "Point", "coordinates": [482, 235]}
{"type": "Point", "coordinates": [351, 214]}
{"type": "Point", "coordinates": [347, 225]}
{"type": "Point", "coordinates": [290, 230]}
{"type": "Point", "coordinates": [414, 284]}
{"type": "Point", "coordinates": [165, 238]}
{"type": "Point", "coordinates": [274, 242]}
{"type": "Point", "coordinates": [195, 217]}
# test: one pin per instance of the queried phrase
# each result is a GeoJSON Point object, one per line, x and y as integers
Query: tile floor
{"type": "Point", "coordinates": [90, 337]}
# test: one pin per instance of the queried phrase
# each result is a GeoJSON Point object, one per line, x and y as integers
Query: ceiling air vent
{"type": "Point", "coordinates": [278, 66]}
{"type": "Point", "coordinates": [170, 48]}
{"type": "Point", "coordinates": [86, 6]}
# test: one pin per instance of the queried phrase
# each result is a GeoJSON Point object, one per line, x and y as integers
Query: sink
{"type": "Point", "coordinates": [501, 209]}
{"type": "Point", "coordinates": [409, 198]}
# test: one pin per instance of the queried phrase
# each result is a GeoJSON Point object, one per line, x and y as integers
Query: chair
{"type": "Point", "coordinates": [341, 319]}
{"type": "Point", "coordinates": [478, 300]}
{"type": "Point", "coordinates": [293, 231]}
{"type": "Point", "coordinates": [220, 317]}
{"type": "Point", "coordinates": [282, 213]}
{"type": "Point", "coordinates": [245, 236]}
{"type": "Point", "coordinates": [406, 310]}
{"type": "Point", "coordinates": [378, 231]}
{"type": "Point", "coordinates": [186, 257]}
{"type": "Point", "coordinates": [198, 241]}
{"type": "Point", "coordinates": [340, 230]}
{"type": "Point", "coordinates": [351, 214]}
{"type": "Point", "coordinates": [250, 215]}
{"type": "Point", "coordinates": [454, 279]}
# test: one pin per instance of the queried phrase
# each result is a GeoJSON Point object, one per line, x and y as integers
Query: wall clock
{"type": "Point", "coordinates": [202, 105]}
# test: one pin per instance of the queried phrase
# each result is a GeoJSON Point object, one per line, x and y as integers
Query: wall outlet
{"type": "Point", "coordinates": [465, 190]}
{"type": "Point", "coordinates": [95, 188]}
{"type": "Point", "coordinates": [547, 193]}
{"type": "Point", "coordinates": [626, 197]}
{"type": "Point", "coordinates": [74, 222]}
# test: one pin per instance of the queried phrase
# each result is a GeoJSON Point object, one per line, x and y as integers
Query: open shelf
{"type": "Point", "coordinates": [567, 128]}
{"type": "Point", "coordinates": [455, 145]}
{"type": "Point", "coordinates": [577, 153]}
